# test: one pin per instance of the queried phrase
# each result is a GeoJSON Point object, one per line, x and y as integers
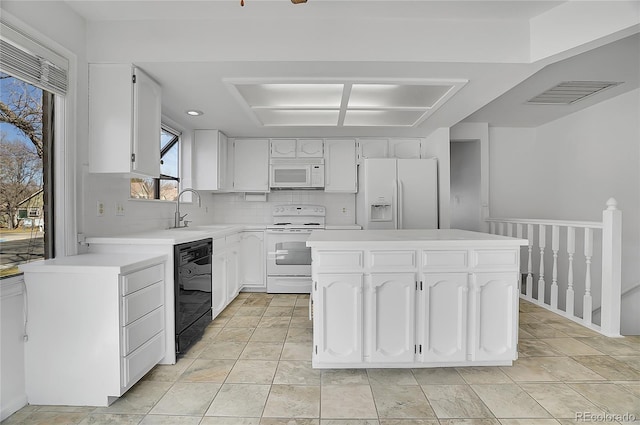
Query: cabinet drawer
{"type": "Point", "coordinates": [444, 259]}
{"type": "Point", "coordinates": [138, 363]}
{"type": "Point", "coordinates": [392, 260]}
{"type": "Point", "coordinates": [140, 331]}
{"type": "Point", "coordinates": [139, 303]}
{"type": "Point", "coordinates": [493, 258]}
{"type": "Point", "coordinates": [137, 280]}
{"type": "Point", "coordinates": [340, 260]}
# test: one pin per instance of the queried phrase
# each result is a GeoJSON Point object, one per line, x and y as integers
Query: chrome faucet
{"type": "Point", "coordinates": [178, 218]}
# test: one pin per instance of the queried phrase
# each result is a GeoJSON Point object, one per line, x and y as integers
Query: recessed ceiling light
{"type": "Point", "coordinates": [194, 113]}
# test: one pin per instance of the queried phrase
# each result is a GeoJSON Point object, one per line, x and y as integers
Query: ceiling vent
{"type": "Point", "coordinates": [569, 92]}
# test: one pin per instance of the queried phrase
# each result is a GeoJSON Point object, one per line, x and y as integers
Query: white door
{"type": "Point", "coordinates": [310, 148]}
{"type": "Point", "coordinates": [417, 194]}
{"type": "Point", "coordinates": [404, 148]}
{"type": "Point", "coordinates": [338, 338]}
{"type": "Point", "coordinates": [252, 260]}
{"type": "Point", "coordinates": [233, 267]}
{"type": "Point", "coordinates": [219, 282]}
{"type": "Point", "coordinates": [373, 148]}
{"type": "Point", "coordinates": [391, 317]}
{"type": "Point", "coordinates": [443, 317]}
{"type": "Point", "coordinates": [494, 321]}
{"type": "Point", "coordinates": [340, 166]}
{"type": "Point", "coordinates": [377, 194]}
{"type": "Point", "coordinates": [288, 254]}
{"type": "Point", "coordinates": [283, 148]}
{"type": "Point", "coordinates": [251, 165]}
{"type": "Point", "coordinates": [146, 123]}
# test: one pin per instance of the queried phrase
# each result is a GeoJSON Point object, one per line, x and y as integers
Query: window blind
{"type": "Point", "coordinates": [23, 57]}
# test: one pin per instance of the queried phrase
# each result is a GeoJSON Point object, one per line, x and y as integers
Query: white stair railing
{"type": "Point", "coordinates": [559, 294]}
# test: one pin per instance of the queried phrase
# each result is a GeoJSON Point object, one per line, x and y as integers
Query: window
{"type": "Point", "coordinates": [25, 146]}
{"type": "Point", "coordinates": [165, 187]}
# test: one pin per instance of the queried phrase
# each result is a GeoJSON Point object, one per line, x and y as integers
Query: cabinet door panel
{"type": "Point", "coordinates": [340, 172]}
{"type": "Point", "coordinates": [146, 125]}
{"type": "Point", "coordinates": [283, 148]}
{"type": "Point", "coordinates": [251, 165]}
{"type": "Point", "coordinates": [309, 148]}
{"type": "Point", "coordinates": [219, 301]}
{"type": "Point", "coordinates": [373, 148]}
{"type": "Point", "coordinates": [444, 317]}
{"type": "Point", "coordinates": [252, 260]}
{"type": "Point", "coordinates": [338, 338]}
{"type": "Point", "coordinates": [392, 317]}
{"type": "Point", "coordinates": [495, 309]}
{"type": "Point", "coordinates": [404, 148]}
{"type": "Point", "coordinates": [233, 270]}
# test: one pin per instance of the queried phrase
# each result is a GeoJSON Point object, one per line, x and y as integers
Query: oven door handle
{"type": "Point", "coordinates": [279, 254]}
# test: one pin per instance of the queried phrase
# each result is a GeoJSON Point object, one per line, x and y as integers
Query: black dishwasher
{"type": "Point", "coordinates": [192, 280]}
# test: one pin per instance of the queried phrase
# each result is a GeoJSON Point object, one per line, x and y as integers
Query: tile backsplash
{"type": "Point", "coordinates": [236, 208]}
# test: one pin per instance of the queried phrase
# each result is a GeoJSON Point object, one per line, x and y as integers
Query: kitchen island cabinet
{"type": "Point", "coordinates": [95, 326]}
{"type": "Point", "coordinates": [414, 298]}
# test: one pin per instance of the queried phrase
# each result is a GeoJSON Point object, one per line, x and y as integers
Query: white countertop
{"type": "Point", "coordinates": [189, 234]}
{"type": "Point", "coordinates": [94, 262]}
{"type": "Point", "coordinates": [408, 238]}
{"type": "Point", "coordinates": [174, 236]}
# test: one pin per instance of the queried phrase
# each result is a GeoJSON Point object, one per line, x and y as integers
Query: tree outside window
{"type": "Point", "coordinates": [24, 147]}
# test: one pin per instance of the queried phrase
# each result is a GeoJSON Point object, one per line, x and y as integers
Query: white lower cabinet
{"type": "Point", "coordinates": [494, 309]}
{"type": "Point", "coordinates": [382, 308]}
{"type": "Point", "coordinates": [391, 318]}
{"type": "Point", "coordinates": [233, 266]}
{"type": "Point", "coordinates": [96, 326]}
{"type": "Point", "coordinates": [443, 317]}
{"type": "Point", "coordinates": [252, 261]}
{"type": "Point", "coordinates": [226, 271]}
{"type": "Point", "coordinates": [339, 334]}
{"type": "Point", "coordinates": [219, 276]}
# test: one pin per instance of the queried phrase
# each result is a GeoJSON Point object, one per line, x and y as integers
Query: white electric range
{"type": "Point", "coordinates": [288, 258]}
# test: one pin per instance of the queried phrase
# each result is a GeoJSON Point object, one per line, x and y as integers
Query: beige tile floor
{"type": "Point", "coordinates": [253, 366]}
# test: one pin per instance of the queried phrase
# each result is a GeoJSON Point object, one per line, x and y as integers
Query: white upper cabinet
{"type": "Point", "coordinates": [389, 148]}
{"type": "Point", "coordinates": [297, 148]}
{"type": "Point", "coordinates": [283, 148]}
{"type": "Point", "coordinates": [340, 172]}
{"type": "Point", "coordinates": [124, 120]}
{"type": "Point", "coordinates": [310, 148]}
{"type": "Point", "coordinates": [404, 148]}
{"type": "Point", "coordinates": [373, 148]}
{"type": "Point", "coordinates": [251, 165]}
{"type": "Point", "coordinates": [210, 160]}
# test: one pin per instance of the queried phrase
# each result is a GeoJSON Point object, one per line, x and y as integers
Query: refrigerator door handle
{"type": "Point", "coordinates": [400, 204]}
{"type": "Point", "coordinates": [395, 203]}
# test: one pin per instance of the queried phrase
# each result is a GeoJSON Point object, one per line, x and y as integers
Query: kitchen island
{"type": "Point", "coordinates": [414, 298]}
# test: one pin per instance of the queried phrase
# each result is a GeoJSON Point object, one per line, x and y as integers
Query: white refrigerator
{"type": "Point", "coordinates": [397, 194]}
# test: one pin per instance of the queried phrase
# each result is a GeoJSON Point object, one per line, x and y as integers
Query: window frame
{"type": "Point", "coordinates": [156, 181]}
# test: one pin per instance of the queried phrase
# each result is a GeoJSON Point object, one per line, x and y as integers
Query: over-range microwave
{"type": "Point", "coordinates": [305, 173]}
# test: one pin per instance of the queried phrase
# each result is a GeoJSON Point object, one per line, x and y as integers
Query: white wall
{"type": "Point", "coordinates": [58, 28]}
{"type": "Point", "coordinates": [12, 384]}
{"type": "Point", "coordinates": [437, 145]}
{"type": "Point", "coordinates": [567, 169]}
